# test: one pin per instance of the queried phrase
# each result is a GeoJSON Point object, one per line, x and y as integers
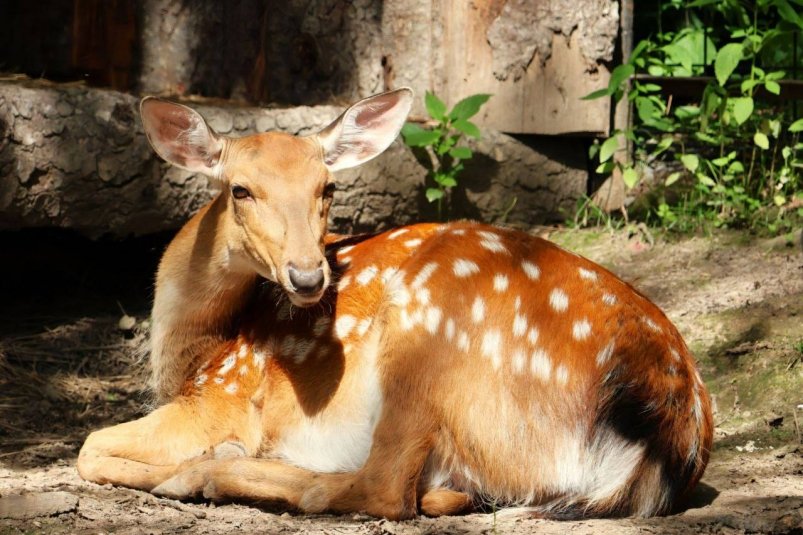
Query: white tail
{"type": "Point", "coordinates": [446, 366]}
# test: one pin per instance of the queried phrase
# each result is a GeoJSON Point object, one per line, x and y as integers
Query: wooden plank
{"type": "Point", "coordinates": [545, 99]}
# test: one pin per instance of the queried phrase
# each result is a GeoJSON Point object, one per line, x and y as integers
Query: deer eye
{"type": "Point", "coordinates": [239, 192]}
{"type": "Point", "coordinates": [329, 190]}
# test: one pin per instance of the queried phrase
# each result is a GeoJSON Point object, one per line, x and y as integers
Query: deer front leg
{"type": "Point", "coordinates": [385, 486]}
{"type": "Point", "coordinates": [144, 453]}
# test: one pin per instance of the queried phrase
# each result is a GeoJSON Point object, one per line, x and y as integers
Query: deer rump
{"type": "Point", "coordinates": [441, 368]}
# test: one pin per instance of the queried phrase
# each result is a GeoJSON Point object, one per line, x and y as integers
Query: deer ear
{"type": "Point", "coordinates": [181, 136]}
{"type": "Point", "coordinates": [365, 130]}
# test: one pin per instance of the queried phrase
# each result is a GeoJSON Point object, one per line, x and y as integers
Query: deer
{"type": "Point", "coordinates": [428, 369]}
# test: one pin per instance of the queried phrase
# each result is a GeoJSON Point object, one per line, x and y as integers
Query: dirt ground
{"type": "Point", "coordinates": [69, 363]}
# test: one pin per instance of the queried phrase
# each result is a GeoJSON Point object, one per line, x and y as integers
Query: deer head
{"type": "Point", "coordinates": [277, 188]}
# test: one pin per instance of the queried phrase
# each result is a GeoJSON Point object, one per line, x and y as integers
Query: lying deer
{"type": "Point", "coordinates": [428, 369]}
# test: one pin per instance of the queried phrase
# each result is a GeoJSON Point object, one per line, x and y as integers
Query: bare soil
{"type": "Point", "coordinates": [68, 364]}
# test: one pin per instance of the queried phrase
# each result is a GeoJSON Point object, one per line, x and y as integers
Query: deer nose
{"type": "Point", "coordinates": [306, 281]}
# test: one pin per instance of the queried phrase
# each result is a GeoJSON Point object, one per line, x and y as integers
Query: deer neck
{"type": "Point", "coordinates": [200, 289]}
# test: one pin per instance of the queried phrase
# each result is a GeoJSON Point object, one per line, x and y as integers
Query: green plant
{"type": "Point", "coordinates": [735, 160]}
{"type": "Point", "coordinates": [440, 140]}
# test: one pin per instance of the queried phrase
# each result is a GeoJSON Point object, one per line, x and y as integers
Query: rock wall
{"type": "Point", "coordinates": [77, 158]}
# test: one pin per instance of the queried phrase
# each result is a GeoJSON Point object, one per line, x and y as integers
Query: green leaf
{"type": "Point", "coordinates": [448, 182]}
{"type": "Point", "coordinates": [748, 84]}
{"type": "Point", "coordinates": [435, 106]}
{"type": "Point", "coordinates": [736, 168]}
{"type": "Point", "coordinates": [599, 93]}
{"type": "Point", "coordinates": [605, 168]}
{"type": "Point", "coordinates": [468, 107]}
{"type": "Point", "coordinates": [433, 194]}
{"type": "Point", "coordinates": [773, 87]}
{"type": "Point", "coordinates": [728, 58]}
{"type": "Point", "coordinates": [415, 136]}
{"type": "Point", "coordinates": [779, 200]}
{"type": "Point", "coordinates": [672, 178]}
{"type": "Point", "coordinates": [788, 13]}
{"type": "Point", "coordinates": [706, 180]}
{"type": "Point", "coordinates": [797, 126]}
{"type": "Point", "coordinates": [630, 177]}
{"type": "Point", "coordinates": [687, 112]}
{"type": "Point", "coordinates": [467, 127]}
{"type": "Point", "coordinates": [461, 153]}
{"type": "Point", "coordinates": [742, 109]}
{"type": "Point", "coordinates": [663, 145]}
{"type": "Point", "coordinates": [620, 74]}
{"type": "Point", "coordinates": [761, 140]}
{"type": "Point", "coordinates": [607, 149]}
{"type": "Point", "coordinates": [690, 162]}
{"type": "Point", "coordinates": [593, 150]}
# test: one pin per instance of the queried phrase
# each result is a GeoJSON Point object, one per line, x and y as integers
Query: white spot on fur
{"type": "Point", "coordinates": [558, 300]}
{"type": "Point", "coordinates": [449, 329]}
{"type": "Point", "coordinates": [463, 341]}
{"type": "Point", "coordinates": [587, 274]}
{"type": "Point", "coordinates": [490, 236]}
{"type": "Point", "coordinates": [344, 260]}
{"type": "Point", "coordinates": [501, 282]}
{"type": "Point", "coordinates": [201, 379]}
{"type": "Point", "coordinates": [228, 364]}
{"type": "Point", "coordinates": [464, 268]}
{"type": "Point", "coordinates": [581, 329]}
{"type": "Point", "coordinates": [243, 370]}
{"type": "Point", "coordinates": [609, 299]}
{"type": "Point", "coordinates": [424, 275]}
{"type": "Point", "coordinates": [432, 319]}
{"type": "Point", "coordinates": [478, 310]}
{"type": "Point", "coordinates": [422, 296]}
{"type": "Point", "coordinates": [344, 324]}
{"type": "Point", "coordinates": [413, 243]}
{"type": "Point", "coordinates": [491, 343]}
{"type": "Point", "coordinates": [540, 365]}
{"type": "Point", "coordinates": [400, 296]}
{"type": "Point", "coordinates": [531, 270]}
{"type": "Point", "coordinates": [346, 249]}
{"type": "Point", "coordinates": [243, 352]}
{"type": "Point", "coordinates": [367, 275]}
{"type": "Point", "coordinates": [517, 303]}
{"type": "Point", "coordinates": [519, 358]}
{"type": "Point", "coordinates": [363, 326]}
{"type": "Point", "coordinates": [396, 233]}
{"type": "Point", "coordinates": [259, 358]}
{"type": "Point", "coordinates": [532, 336]}
{"type": "Point", "coordinates": [652, 325]}
{"type": "Point", "coordinates": [388, 273]}
{"type": "Point", "coordinates": [562, 374]}
{"type": "Point", "coordinates": [493, 246]}
{"type": "Point", "coordinates": [344, 282]}
{"type": "Point", "coordinates": [218, 380]}
{"type": "Point", "coordinates": [519, 325]}
{"type": "Point", "coordinates": [605, 353]}
{"type": "Point", "coordinates": [459, 232]}
{"type": "Point", "coordinates": [231, 388]}
{"type": "Point", "coordinates": [674, 353]}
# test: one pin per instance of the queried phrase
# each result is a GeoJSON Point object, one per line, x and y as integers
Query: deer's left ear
{"type": "Point", "coordinates": [365, 130]}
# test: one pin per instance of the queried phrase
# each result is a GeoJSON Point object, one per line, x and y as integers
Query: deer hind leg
{"type": "Point", "coordinates": [145, 452]}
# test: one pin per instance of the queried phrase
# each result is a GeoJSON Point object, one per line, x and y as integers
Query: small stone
{"type": "Point", "coordinates": [126, 323]}
{"type": "Point", "coordinates": [38, 504]}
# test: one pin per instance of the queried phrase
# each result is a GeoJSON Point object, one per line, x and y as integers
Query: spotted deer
{"type": "Point", "coordinates": [429, 369]}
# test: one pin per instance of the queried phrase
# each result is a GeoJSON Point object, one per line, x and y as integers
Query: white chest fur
{"type": "Point", "coordinates": [339, 438]}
